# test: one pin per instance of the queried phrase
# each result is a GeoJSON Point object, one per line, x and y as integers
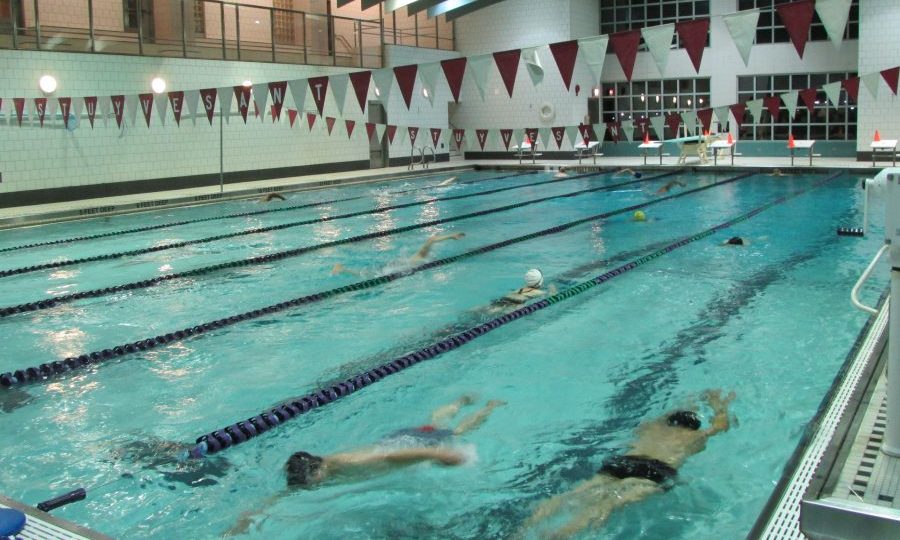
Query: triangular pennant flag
{"type": "Point", "coordinates": [690, 122]}
{"type": "Point", "coordinates": [871, 81]}
{"type": "Point", "coordinates": [531, 135]}
{"type": "Point", "coordinates": [508, 66]}
{"type": "Point", "coordinates": [659, 41]}
{"type": "Point", "coordinates": [506, 137]}
{"type": "Point", "coordinates": [413, 134]}
{"type": "Point", "coordinates": [737, 111]}
{"type": "Point", "coordinates": [544, 136]}
{"type": "Point", "coordinates": [260, 98]}
{"type": "Point", "coordinates": [834, 15]}
{"type": "Point", "coordinates": [278, 92]}
{"type": "Point", "coordinates": [77, 107]}
{"type": "Point", "coordinates": [310, 120]}
{"type": "Point", "coordinates": [479, 66]}
{"type": "Point", "coordinates": [742, 27]}
{"type": "Point", "coordinates": [384, 80]}
{"type": "Point", "coordinates": [338, 84]}
{"type": "Point", "coordinates": [573, 134]}
{"type": "Point", "coordinates": [292, 116]}
{"type": "Point", "coordinates": [518, 135]}
{"type": "Point", "coordinates": [435, 137]}
{"type": "Point", "coordinates": [299, 88]}
{"type": "Point", "coordinates": [19, 105]}
{"type": "Point", "coordinates": [208, 100]}
{"type": "Point", "coordinates": [533, 66]}
{"type": "Point", "coordinates": [90, 105]}
{"type": "Point", "coordinates": [40, 108]}
{"type": "Point", "coordinates": [370, 130]}
{"type": "Point", "coordinates": [242, 95]}
{"type": "Point", "coordinates": [225, 96]}
{"type": "Point", "coordinates": [625, 45]}
{"type": "Point", "coordinates": [428, 74]}
{"type": "Point", "coordinates": [559, 134]}
{"type": "Point", "coordinates": [406, 81]}
{"type": "Point", "coordinates": [402, 135]}
{"type": "Point", "coordinates": [131, 107]}
{"type": "Point", "coordinates": [162, 103]}
{"type": "Point", "coordinates": [458, 136]}
{"type": "Point", "coordinates": [379, 132]}
{"type": "Point", "coordinates": [105, 103]}
{"type": "Point", "coordinates": [349, 124]}
{"type": "Point", "coordinates": [391, 133]}
{"type": "Point", "coordinates": [627, 128]}
{"type": "Point", "coordinates": [565, 53]}
{"type": "Point", "coordinates": [755, 107]}
{"type": "Point", "coordinates": [722, 115]}
{"type": "Point", "coordinates": [614, 130]}
{"type": "Point", "coordinates": [693, 38]}
{"type": "Point", "coordinates": [146, 101]}
{"type": "Point", "coordinates": [809, 98]}
{"type": "Point", "coordinates": [65, 105]}
{"type": "Point", "coordinates": [593, 51]}
{"type": "Point", "coordinates": [833, 91]}
{"type": "Point", "coordinates": [454, 70]}
{"type": "Point", "coordinates": [318, 86]}
{"type": "Point", "coordinates": [673, 120]}
{"type": "Point", "coordinates": [190, 101]}
{"type": "Point", "coordinates": [797, 17]}
{"type": "Point", "coordinates": [360, 81]}
{"type": "Point", "coordinates": [481, 135]}
{"type": "Point", "coordinates": [118, 107]}
{"type": "Point", "coordinates": [851, 85]}
{"type": "Point", "coordinates": [790, 101]}
{"type": "Point", "coordinates": [890, 77]}
{"type": "Point", "coordinates": [329, 122]}
{"type": "Point", "coordinates": [773, 104]}
{"type": "Point", "coordinates": [598, 129]}
{"type": "Point", "coordinates": [705, 116]}
{"type": "Point", "coordinates": [659, 124]}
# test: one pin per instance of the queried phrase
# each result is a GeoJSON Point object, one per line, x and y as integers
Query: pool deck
{"type": "Point", "coordinates": [42, 526]}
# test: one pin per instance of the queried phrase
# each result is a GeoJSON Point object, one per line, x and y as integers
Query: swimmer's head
{"type": "Point", "coordinates": [639, 215]}
{"type": "Point", "coordinates": [735, 241]}
{"type": "Point", "coordinates": [301, 469]}
{"type": "Point", "coordinates": [685, 419]}
{"type": "Point", "coordinates": [534, 278]}
{"type": "Point", "coordinates": [638, 175]}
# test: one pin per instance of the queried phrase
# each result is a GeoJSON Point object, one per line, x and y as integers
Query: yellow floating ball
{"type": "Point", "coordinates": [640, 216]}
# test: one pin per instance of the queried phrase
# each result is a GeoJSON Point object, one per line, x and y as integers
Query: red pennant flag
{"type": "Point", "coordinates": [532, 134]}
{"type": "Point", "coordinates": [454, 69]}
{"type": "Point", "coordinates": [349, 124]}
{"type": "Point", "coordinates": [90, 104]}
{"type": "Point", "coordinates": [413, 133]}
{"type": "Point", "coordinates": [773, 104]}
{"type": "Point", "coordinates": [797, 18]}
{"type": "Point", "coordinates": [360, 81]}
{"type": "Point", "coordinates": [559, 134]}
{"type": "Point", "coordinates": [481, 135]}
{"type": "Point", "coordinates": [242, 95]}
{"type": "Point", "coordinates": [277, 91]}
{"type": "Point", "coordinates": [118, 105]}
{"type": "Point", "coordinates": [890, 77]}
{"type": "Point", "coordinates": [458, 136]}
{"type": "Point", "coordinates": [272, 113]}
{"type": "Point", "coordinates": [673, 120]}
{"type": "Point", "coordinates": [586, 134]}
{"type": "Point", "coordinates": [406, 80]}
{"type": "Point", "coordinates": [738, 110]}
{"type": "Point", "coordinates": [625, 45]}
{"type": "Point", "coordinates": [176, 101]}
{"type": "Point", "coordinates": [506, 137]}
{"type": "Point", "coordinates": [329, 121]}
{"type": "Point", "coordinates": [319, 88]}
{"type": "Point", "coordinates": [19, 104]}
{"type": "Point", "coordinates": [693, 37]}
{"type": "Point", "coordinates": [208, 99]}
{"type": "Point", "coordinates": [614, 130]}
{"type": "Point", "coordinates": [65, 103]}
{"type": "Point", "coordinates": [310, 120]}
{"type": "Point", "coordinates": [851, 85]}
{"type": "Point", "coordinates": [292, 116]}
{"type": "Point", "coordinates": [146, 106]}
{"type": "Point", "coordinates": [391, 131]}
{"type": "Point", "coordinates": [705, 116]}
{"type": "Point", "coordinates": [40, 104]}
{"type": "Point", "coordinates": [565, 53]}
{"type": "Point", "coordinates": [809, 98]}
{"type": "Point", "coordinates": [435, 136]}
{"type": "Point", "coordinates": [508, 66]}
{"type": "Point", "coordinates": [370, 130]}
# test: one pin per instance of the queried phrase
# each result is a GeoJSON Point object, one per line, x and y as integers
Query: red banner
{"type": "Point", "coordinates": [506, 137]}
{"type": "Point", "coordinates": [851, 85]}
{"type": "Point", "coordinates": [391, 131]}
{"type": "Point", "coordinates": [435, 137]}
{"type": "Point", "coordinates": [242, 95]}
{"type": "Point", "coordinates": [454, 69]}
{"type": "Point", "coordinates": [360, 81]}
{"type": "Point", "coordinates": [508, 66]}
{"type": "Point", "coordinates": [481, 135]}
{"type": "Point", "coordinates": [532, 135]}
{"type": "Point", "coordinates": [329, 122]}
{"type": "Point", "coordinates": [809, 98]}
{"type": "Point", "coordinates": [310, 120]}
{"type": "Point", "coordinates": [738, 110]}
{"type": "Point", "coordinates": [413, 133]}
{"type": "Point", "coordinates": [613, 128]}
{"type": "Point", "coordinates": [673, 120]}
{"type": "Point", "coordinates": [406, 80]}
{"type": "Point", "coordinates": [65, 104]}
{"type": "Point", "coordinates": [349, 124]}
{"type": "Point", "coordinates": [208, 99]}
{"type": "Point", "coordinates": [797, 18]}
{"type": "Point", "coordinates": [693, 37]}
{"type": "Point", "coordinates": [90, 103]}
{"type": "Point", "coordinates": [370, 130]}
{"type": "Point", "coordinates": [319, 88]}
{"type": "Point", "coordinates": [705, 116]}
{"type": "Point", "coordinates": [773, 104]}
{"type": "Point", "coordinates": [458, 136]}
{"type": "Point", "coordinates": [559, 135]}
{"type": "Point", "coordinates": [890, 77]}
{"type": "Point", "coordinates": [176, 101]}
{"type": "Point", "coordinates": [565, 53]}
{"type": "Point", "coordinates": [19, 104]}
{"type": "Point", "coordinates": [40, 105]}
{"type": "Point", "coordinates": [625, 45]}
{"type": "Point", "coordinates": [292, 116]}
{"type": "Point", "coordinates": [277, 90]}
{"type": "Point", "coordinates": [146, 101]}
{"type": "Point", "coordinates": [118, 105]}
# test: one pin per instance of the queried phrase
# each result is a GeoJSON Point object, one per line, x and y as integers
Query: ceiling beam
{"type": "Point", "coordinates": [421, 5]}
{"type": "Point", "coordinates": [454, 9]}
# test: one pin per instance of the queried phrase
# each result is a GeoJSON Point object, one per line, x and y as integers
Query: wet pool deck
{"type": "Point", "coordinates": [42, 526]}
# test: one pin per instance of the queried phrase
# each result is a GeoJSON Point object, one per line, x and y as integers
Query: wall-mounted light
{"type": "Point", "coordinates": [47, 83]}
{"type": "Point", "coordinates": [247, 84]}
{"type": "Point", "coordinates": [158, 85]}
{"type": "Point", "coordinates": [611, 91]}
{"type": "Point", "coordinates": [674, 99]}
{"type": "Point", "coordinates": [657, 98]}
{"type": "Point", "coordinates": [689, 102]}
{"type": "Point", "coordinates": [596, 92]}
{"type": "Point", "coordinates": [700, 101]}
{"type": "Point", "coordinates": [642, 98]}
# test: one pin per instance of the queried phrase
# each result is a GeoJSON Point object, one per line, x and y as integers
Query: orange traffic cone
{"type": "Point", "coordinates": [646, 137]}
{"type": "Point", "coordinates": [791, 141]}
{"type": "Point", "coordinates": [730, 138]}
{"type": "Point", "coordinates": [877, 136]}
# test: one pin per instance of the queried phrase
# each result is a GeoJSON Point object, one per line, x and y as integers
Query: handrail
{"type": "Point", "coordinates": [433, 156]}
{"type": "Point", "coordinates": [854, 293]}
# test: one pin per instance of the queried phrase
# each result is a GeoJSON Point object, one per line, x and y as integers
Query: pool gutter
{"type": "Point", "coordinates": [41, 525]}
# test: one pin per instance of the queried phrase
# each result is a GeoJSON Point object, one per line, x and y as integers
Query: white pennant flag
{"type": "Point", "coordinates": [834, 15]}
{"type": "Point", "coordinates": [225, 95]}
{"type": "Point", "coordinates": [533, 65]}
{"type": "Point", "coordinates": [742, 27]}
{"type": "Point", "coordinates": [379, 132]}
{"type": "Point", "coordinates": [627, 129]}
{"type": "Point", "coordinates": [191, 99]}
{"type": "Point", "coordinates": [50, 110]}
{"type": "Point", "coordinates": [77, 105]}
{"type": "Point", "coordinates": [659, 126]}
{"type": "Point", "coordinates": [790, 101]}
{"type": "Point", "coordinates": [544, 137]}
{"type": "Point", "coordinates": [338, 86]}
{"type": "Point", "coordinates": [599, 131]}
{"type": "Point", "coordinates": [593, 53]}
{"type": "Point", "coordinates": [518, 137]}
{"type": "Point", "coordinates": [428, 74]}
{"type": "Point", "coordinates": [384, 80]}
{"type": "Point", "coordinates": [105, 104]}
{"type": "Point", "coordinates": [298, 89]}
{"type": "Point", "coordinates": [755, 107]}
{"type": "Point", "coordinates": [833, 91]}
{"type": "Point", "coordinates": [722, 115]}
{"type": "Point", "coordinates": [131, 107]}
{"type": "Point", "coordinates": [689, 119]}
{"type": "Point", "coordinates": [573, 134]}
{"type": "Point", "coordinates": [659, 41]}
{"type": "Point", "coordinates": [872, 80]}
{"type": "Point", "coordinates": [260, 98]}
{"type": "Point", "coordinates": [479, 67]}
{"type": "Point", "coordinates": [162, 105]}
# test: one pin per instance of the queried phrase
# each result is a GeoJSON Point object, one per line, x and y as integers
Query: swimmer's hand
{"type": "Point", "coordinates": [456, 236]}
{"type": "Point", "coordinates": [337, 269]}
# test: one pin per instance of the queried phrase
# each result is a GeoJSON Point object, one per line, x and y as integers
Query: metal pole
{"type": "Point", "coordinates": [305, 46]}
{"type": "Point", "coordinates": [222, 24]}
{"type": "Point", "coordinates": [272, 31]}
{"type": "Point", "coordinates": [221, 151]}
{"type": "Point", "coordinates": [14, 12]}
{"type": "Point", "coordinates": [37, 25]}
{"type": "Point", "coordinates": [237, 28]}
{"type": "Point", "coordinates": [140, 23]}
{"type": "Point", "coordinates": [183, 32]}
{"type": "Point", "coordinates": [90, 24]}
{"type": "Point", "coordinates": [359, 30]}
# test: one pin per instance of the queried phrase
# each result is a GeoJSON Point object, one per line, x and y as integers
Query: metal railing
{"type": "Point", "coordinates": [206, 29]}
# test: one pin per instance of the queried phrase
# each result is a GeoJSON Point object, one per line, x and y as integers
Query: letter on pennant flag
{"type": "Point", "coordinates": [349, 124]}
{"type": "Point", "coordinates": [705, 116]}
{"type": "Point", "coordinates": [146, 106]}
{"type": "Point", "coordinates": [506, 137]}
{"type": "Point", "coordinates": [370, 130]}
{"type": "Point", "coordinates": [435, 136]}
{"type": "Point", "coordinates": [65, 104]}
{"type": "Point", "coordinates": [310, 120]}
{"type": "Point", "coordinates": [890, 77]}
{"type": "Point", "coordinates": [118, 105]}
{"type": "Point", "coordinates": [834, 15]}
{"type": "Point", "coordinates": [773, 104]}
{"type": "Point", "coordinates": [659, 42]}
{"type": "Point", "coordinates": [391, 133]}
{"type": "Point", "coordinates": [40, 106]}
{"type": "Point", "coordinates": [625, 45]}
{"type": "Point", "coordinates": [532, 134]}
{"type": "Point", "coordinates": [242, 95]}
{"type": "Point", "coordinates": [406, 81]}
{"type": "Point", "coordinates": [565, 53]}
{"type": "Point", "coordinates": [413, 133]}
{"type": "Point", "coordinates": [176, 100]}
{"type": "Point", "coordinates": [277, 90]}
{"type": "Point", "coordinates": [458, 136]}
{"type": "Point", "coordinates": [90, 104]}
{"type": "Point", "coordinates": [508, 65]}
{"type": "Point", "coordinates": [360, 81]}
{"type": "Point", "coordinates": [559, 134]}
{"type": "Point", "coordinates": [292, 116]}
{"type": "Point", "coordinates": [319, 88]}
{"type": "Point", "coordinates": [693, 39]}
{"type": "Point", "coordinates": [851, 85]}
{"type": "Point", "coordinates": [809, 98]}
{"type": "Point", "coordinates": [454, 70]}
{"type": "Point", "coordinates": [329, 122]}
{"type": "Point", "coordinates": [742, 27]}
{"type": "Point", "coordinates": [481, 135]}
{"type": "Point", "coordinates": [208, 99]}
{"type": "Point", "coordinates": [797, 18]}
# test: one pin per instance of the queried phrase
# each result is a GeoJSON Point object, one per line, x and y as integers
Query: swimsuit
{"type": "Point", "coordinates": [426, 435]}
{"type": "Point", "coordinates": [638, 467]}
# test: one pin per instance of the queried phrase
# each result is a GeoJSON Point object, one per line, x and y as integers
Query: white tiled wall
{"type": "Point", "coordinates": [880, 20]}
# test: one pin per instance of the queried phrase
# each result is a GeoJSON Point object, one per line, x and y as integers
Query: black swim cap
{"type": "Point", "coordinates": [685, 419]}
{"type": "Point", "coordinates": [638, 175]}
{"type": "Point", "coordinates": [300, 468]}
{"type": "Point", "coordinates": [735, 241]}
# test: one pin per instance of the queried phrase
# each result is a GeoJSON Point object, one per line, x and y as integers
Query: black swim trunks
{"type": "Point", "coordinates": [638, 467]}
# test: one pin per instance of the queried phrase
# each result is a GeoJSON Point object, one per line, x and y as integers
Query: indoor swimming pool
{"type": "Point", "coordinates": [650, 314]}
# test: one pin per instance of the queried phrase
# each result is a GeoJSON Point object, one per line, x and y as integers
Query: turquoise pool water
{"type": "Point", "coordinates": [770, 321]}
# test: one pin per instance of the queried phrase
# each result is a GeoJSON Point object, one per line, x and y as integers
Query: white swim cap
{"type": "Point", "coordinates": [534, 278]}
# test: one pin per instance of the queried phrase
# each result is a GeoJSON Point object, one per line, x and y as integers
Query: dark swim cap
{"type": "Point", "coordinates": [300, 468]}
{"type": "Point", "coordinates": [638, 175]}
{"type": "Point", "coordinates": [735, 241]}
{"type": "Point", "coordinates": [685, 419]}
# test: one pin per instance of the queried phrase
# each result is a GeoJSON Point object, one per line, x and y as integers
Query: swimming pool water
{"type": "Point", "coordinates": [770, 321]}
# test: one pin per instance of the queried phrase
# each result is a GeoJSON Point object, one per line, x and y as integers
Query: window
{"type": "Point", "coordinates": [771, 30]}
{"type": "Point", "coordinates": [199, 17]}
{"type": "Point", "coordinates": [825, 123]}
{"type": "Point", "coordinates": [620, 15]}
{"type": "Point", "coordinates": [640, 100]}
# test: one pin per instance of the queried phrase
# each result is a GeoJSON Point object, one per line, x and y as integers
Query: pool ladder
{"type": "Point", "coordinates": [422, 161]}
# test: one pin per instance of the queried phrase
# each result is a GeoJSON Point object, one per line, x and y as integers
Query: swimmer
{"type": "Point", "coordinates": [269, 197]}
{"type": "Point", "coordinates": [448, 181]}
{"type": "Point", "coordinates": [670, 185]}
{"type": "Point", "coordinates": [649, 467]}
{"type": "Point", "coordinates": [162, 456]}
{"type": "Point", "coordinates": [628, 171]}
{"type": "Point", "coordinates": [561, 173]}
{"type": "Point", "coordinates": [419, 256]}
{"type": "Point", "coordinates": [534, 283]}
{"type": "Point", "coordinates": [735, 241]}
{"type": "Point", "coordinates": [639, 215]}
{"type": "Point", "coordinates": [776, 172]}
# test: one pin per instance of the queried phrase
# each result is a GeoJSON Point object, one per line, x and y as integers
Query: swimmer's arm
{"type": "Point", "coordinates": [599, 506]}
{"type": "Point", "coordinates": [719, 406]}
{"type": "Point", "coordinates": [248, 518]}
{"type": "Point", "coordinates": [426, 247]}
{"type": "Point", "coordinates": [341, 269]}
{"type": "Point", "coordinates": [406, 456]}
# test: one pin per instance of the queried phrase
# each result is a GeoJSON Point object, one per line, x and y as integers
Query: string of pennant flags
{"type": "Point", "coordinates": [796, 16]}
